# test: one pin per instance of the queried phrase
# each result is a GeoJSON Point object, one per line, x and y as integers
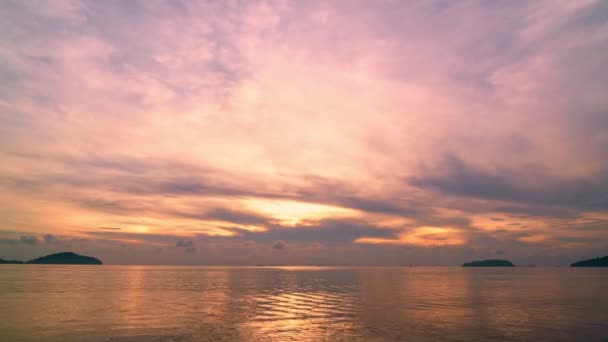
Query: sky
{"type": "Point", "coordinates": [304, 132]}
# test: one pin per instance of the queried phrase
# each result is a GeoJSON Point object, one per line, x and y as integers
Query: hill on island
{"type": "Point", "coordinates": [597, 262]}
{"type": "Point", "coordinates": [64, 258]}
{"type": "Point", "coordinates": [489, 263]}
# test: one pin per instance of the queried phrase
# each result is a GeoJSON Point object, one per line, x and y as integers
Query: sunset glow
{"type": "Point", "coordinates": [304, 132]}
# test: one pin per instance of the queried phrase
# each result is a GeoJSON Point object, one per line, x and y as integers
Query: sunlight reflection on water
{"type": "Point", "coordinates": [163, 303]}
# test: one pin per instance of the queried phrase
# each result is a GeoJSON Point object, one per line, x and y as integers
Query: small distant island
{"type": "Point", "coordinates": [489, 263]}
{"type": "Point", "coordinates": [597, 262]}
{"type": "Point", "coordinates": [64, 258]}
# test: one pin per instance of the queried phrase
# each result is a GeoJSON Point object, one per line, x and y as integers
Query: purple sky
{"type": "Point", "coordinates": [304, 132]}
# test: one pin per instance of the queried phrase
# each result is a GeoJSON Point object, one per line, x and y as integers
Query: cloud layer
{"type": "Point", "coordinates": [265, 132]}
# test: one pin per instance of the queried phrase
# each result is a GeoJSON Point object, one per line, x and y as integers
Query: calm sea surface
{"type": "Point", "coordinates": [163, 303]}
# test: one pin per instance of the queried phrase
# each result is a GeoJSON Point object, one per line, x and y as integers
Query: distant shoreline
{"type": "Point", "coordinates": [70, 258]}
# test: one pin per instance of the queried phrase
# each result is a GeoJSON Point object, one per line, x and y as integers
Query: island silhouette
{"type": "Point", "coordinates": [596, 262]}
{"type": "Point", "coordinates": [489, 263]}
{"type": "Point", "coordinates": [64, 258]}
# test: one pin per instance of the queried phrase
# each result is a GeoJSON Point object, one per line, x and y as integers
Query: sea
{"type": "Point", "coordinates": [170, 303]}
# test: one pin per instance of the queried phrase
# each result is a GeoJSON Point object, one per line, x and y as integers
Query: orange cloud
{"type": "Point", "coordinates": [423, 236]}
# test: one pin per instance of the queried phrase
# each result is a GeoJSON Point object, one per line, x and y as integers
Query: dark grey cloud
{"type": "Point", "coordinates": [110, 206]}
{"type": "Point", "coordinates": [330, 191]}
{"type": "Point", "coordinates": [28, 239]}
{"type": "Point", "coordinates": [534, 210]}
{"type": "Point", "coordinates": [458, 178]}
{"type": "Point", "coordinates": [189, 186]}
{"type": "Point", "coordinates": [279, 245]}
{"type": "Point", "coordinates": [184, 243]}
{"type": "Point", "coordinates": [50, 238]}
{"type": "Point", "coordinates": [236, 216]}
{"type": "Point", "coordinates": [434, 219]}
{"type": "Point", "coordinates": [187, 245]}
{"type": "Point", "coordinates": [228, 215]}
{"type": "Point", "coordinates": [532, 185]}
{"type": "Point", "coordinates": [8, 241]}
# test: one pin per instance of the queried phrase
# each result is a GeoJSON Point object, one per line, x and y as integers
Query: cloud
{"type": "Point", "coordinates": [458, 125]}
{"type": "Point", "coordinates": [328, 231]}
{"type": "Point", "coordinates": [279, 245]}
{"type": "Point", "coordinates": [8, 241]}
{"type": "Point", "coordinates": [50, 238]}
{"type": "Point", "coordinates": [28, 239]}
{"type": "Point", "coordinates": [533, 185]}
{"type": "Point", "coordinates": [129, 235]}
{"type": "Point", "coordinates": [185, 243]}
{"type": "Point", "coordinates": [229, 215]}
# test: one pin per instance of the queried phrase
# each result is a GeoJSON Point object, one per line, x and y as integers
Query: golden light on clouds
{"type": "Point", "coordinates": [293, 213]}
{"type": "Point", "coordinates": [532, 238]}
{"type": "Point", "coordinates": [140, 228]}
{"type": "Point", "coordinates": [423, 236]}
